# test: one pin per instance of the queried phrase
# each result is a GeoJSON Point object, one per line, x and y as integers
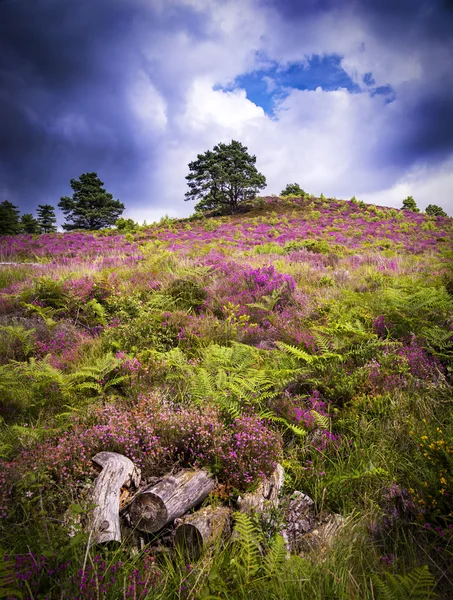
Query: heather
{"type": "Point", "coordinates": [317, 333]}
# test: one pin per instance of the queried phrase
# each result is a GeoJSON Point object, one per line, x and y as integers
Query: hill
{"type": "Point", "coordinates": [308, 332]}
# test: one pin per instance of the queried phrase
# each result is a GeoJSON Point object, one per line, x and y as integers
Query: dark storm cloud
{"type": "Point", "coordinates": [422, 126]}
{"type": "Point", "coordinates": [66, 68]}
{"type": "Point", "coordinates": [62, 106]}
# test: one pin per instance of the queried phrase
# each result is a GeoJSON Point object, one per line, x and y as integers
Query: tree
{"type": "Point", "coordinates": [435, 211]}
{"type": "Point", "coordinates": [224, 177]}
{"type": "Point", "coordinates": [293, 189]}
{"type": "Point", "coordinates": [46, 218]}
{"type": "Point", "coordinates": [90, 207]}
{"type": "Point", "coordinates": [9, 219]}
{"type": "Point", "coordinates": [29, 224]}
{"type": "Point", "coordinates": [409, 204]}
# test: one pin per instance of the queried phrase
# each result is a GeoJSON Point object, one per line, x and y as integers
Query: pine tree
{"type": "Point", "coordinates": [293, 189]}
{"type": "Point", "coordinates": [435, 211]}
{"type": "Point", "coordinates": [9, 219]}
{"type": "Point", "coordinates": [47, 218]}
{"type": "Point", "coordinates": [90, 207]}
{"type": "Point", "coordinates": [409, 204]}
{"type": "Point", "coordinates": [224, 177]}
{"type": "Point", "coordinates": [29, 224]}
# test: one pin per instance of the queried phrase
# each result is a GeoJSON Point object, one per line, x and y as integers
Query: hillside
{"type": "Point", "coordinates": [312, 333]}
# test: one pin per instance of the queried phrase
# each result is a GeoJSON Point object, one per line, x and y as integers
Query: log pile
{"type": "Point", "coordinates": [152, 509]}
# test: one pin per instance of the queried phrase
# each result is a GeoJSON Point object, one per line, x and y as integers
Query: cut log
{"type": "Point", "coordinates": [169, 499]}
{"type": "Point", "coordinates": [117, 472]}
{"type": "Point", "coordinates": [201, 529]}
{"type": "Point", "coordinates": [266, 496]}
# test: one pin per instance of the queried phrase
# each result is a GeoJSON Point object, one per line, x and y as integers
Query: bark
{"type": "Point", "coordinates": [117, 473]}
{"type": "Point", "coordinates": [201, 529]}
{"type": "Point", "coordinates": [169, 499]}
{"type": "Point", "coordinates": [266, 496]}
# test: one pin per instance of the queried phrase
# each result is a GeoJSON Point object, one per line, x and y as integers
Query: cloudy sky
{"type": "Point", "coordinates": [345, 97]}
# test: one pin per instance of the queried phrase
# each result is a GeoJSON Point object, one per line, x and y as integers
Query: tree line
{"type": "Point", "coordinates": [221, 179]}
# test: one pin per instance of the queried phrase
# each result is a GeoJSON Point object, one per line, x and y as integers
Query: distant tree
{"type": "Point", "coordinates": [409, 204]}
{"type": "Point", "coordinates": [9, 219]}
{"type": "Point", "coordinates": [126, 225]}
{"type": "Point", "coordinates": [90, 207]}
{"type": "Point", "coordinates": [435, 211]}
{"type": "Point", "coordinates": [29, 224]}
{"type": "Point", "coordinates": [224, 177]}
{"type": "Point", "coordinates": [46, 218]}
{"type": "Point", "coordinates": [293, 189]}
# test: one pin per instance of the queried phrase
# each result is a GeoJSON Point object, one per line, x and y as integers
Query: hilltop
{"type": "Point", "coordinates": [314, 333]}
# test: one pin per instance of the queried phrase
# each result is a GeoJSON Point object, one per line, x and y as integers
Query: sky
{"type": "Point", "coordinates": [345, 97]}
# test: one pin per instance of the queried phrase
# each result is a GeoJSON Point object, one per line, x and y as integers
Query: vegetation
{"type": "Point", "coordinates": [312, 332]}
{"type": "Point", "coordinates": [293, 189]}
{"type": "Point", "coordinates": [9, 218]}
{"type": "Point", "coordinates": [90, 207]}
{"type": "Point", "coordinates": [435, 211]}
{"type": "Point", "coordinates": [410, 204]}
{"type": "Point", "coordinates": [46, 218]}
{"type": "Point", "coordinates": [224, 177]}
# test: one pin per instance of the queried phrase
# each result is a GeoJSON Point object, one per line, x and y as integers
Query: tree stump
{"type": "Point", "coordinates": [169, 499]}
{"type": "Point", "coordinates": [117, 472]}
{"type": "Point", "coordinates": [266, 495]}
{"type": "Point", "coordinates": [201, 529]}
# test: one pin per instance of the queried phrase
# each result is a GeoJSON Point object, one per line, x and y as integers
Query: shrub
{"type": "Point", "coordinates": [187, 294]}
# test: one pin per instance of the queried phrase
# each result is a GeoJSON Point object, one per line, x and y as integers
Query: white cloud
{"type": "Point", "coordinates": [333, 142]}
{"type": "Point", "coordinates": [427, 186]}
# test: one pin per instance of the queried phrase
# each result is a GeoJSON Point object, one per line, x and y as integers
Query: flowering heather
{"type": "Point", "coordinates": [248, 453]}
{"type": "Point", "coordinates": [70, 249]}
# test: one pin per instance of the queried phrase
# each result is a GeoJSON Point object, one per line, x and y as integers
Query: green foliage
{"type": "Point", "coordinates": [317, 246]}
{"type": "Point", "coordinates": [27, 389]}
{"type": "Point", "coordinates": [187, 294]}
{"type": "Point", "coordinates": [293, 189]}
{"type": "Point", "coordinates": [409, 204]}
{"type": "Point", "coordinates": [90, 207]}
{"type": "Point", "coordinates": [224, 177]}
{"type": "Point", "coordinates": [417, 585]}
{"type": "Point", "coordinates": [435, 211]}
{"type": "Point", "coordinates": [46, 218]}
{"type": "Point", "coordinates": [29, 224]}
{"type": "Point", "coordinates": [16, 342]}
{"type": "Point", "coordinates": [246, 559]}
{"type": "Point", "coordinates": [100, 379]}
{"type": "Point", "coordinates": [9, 219]}
{"type": "Point", "coordinates": [126, 225]}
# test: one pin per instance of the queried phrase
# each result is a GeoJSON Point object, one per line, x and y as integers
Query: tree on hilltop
{"type": "Point", "coordinates": [90, 207]}
{"type": "Point", "coordinates": [9, 219]}
{"type": "Point", "coordinates": [409, 204]}
{"type": "Point", "coordinates": [224, 177]}
{"type": "Point", "coordinates": [29, 224]}
{"type": "Point", "coordinates": [435, 211]}
{"type": "Point", "coordinates": [293, 189]}
{"type": "Point", "coordinates": [46, 218]}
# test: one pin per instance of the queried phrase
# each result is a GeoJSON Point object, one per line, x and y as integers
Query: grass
{"type": "Point", "coordinates": [331, 319]}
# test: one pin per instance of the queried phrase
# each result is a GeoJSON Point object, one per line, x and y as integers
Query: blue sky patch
{"type": "Point", "coordinates": [267, 86]}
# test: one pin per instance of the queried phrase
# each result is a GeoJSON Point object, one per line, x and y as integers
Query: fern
{"type": "Point", "coordinates": [275, 557]}
{"type": "Point", "coordinates": [247, 554]}
{"type": "Point", "coordinates": [271, 416]}
{"type": "Point", "coordinates": [417, 585]}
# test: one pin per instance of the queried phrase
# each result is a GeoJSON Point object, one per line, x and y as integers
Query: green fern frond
{"type": "Point", "coordinates": [275, 557]}
{"type": "Point", "coordinates": [322, 421]}
{"type": "Point", "coordinates": [419, 584]}
{"type": "Point", "coordinates": [271, 416]}
{"type": "Point", "coordinates": [247, 540]}
{"type": "Point", "coordinates": [297, 352]}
